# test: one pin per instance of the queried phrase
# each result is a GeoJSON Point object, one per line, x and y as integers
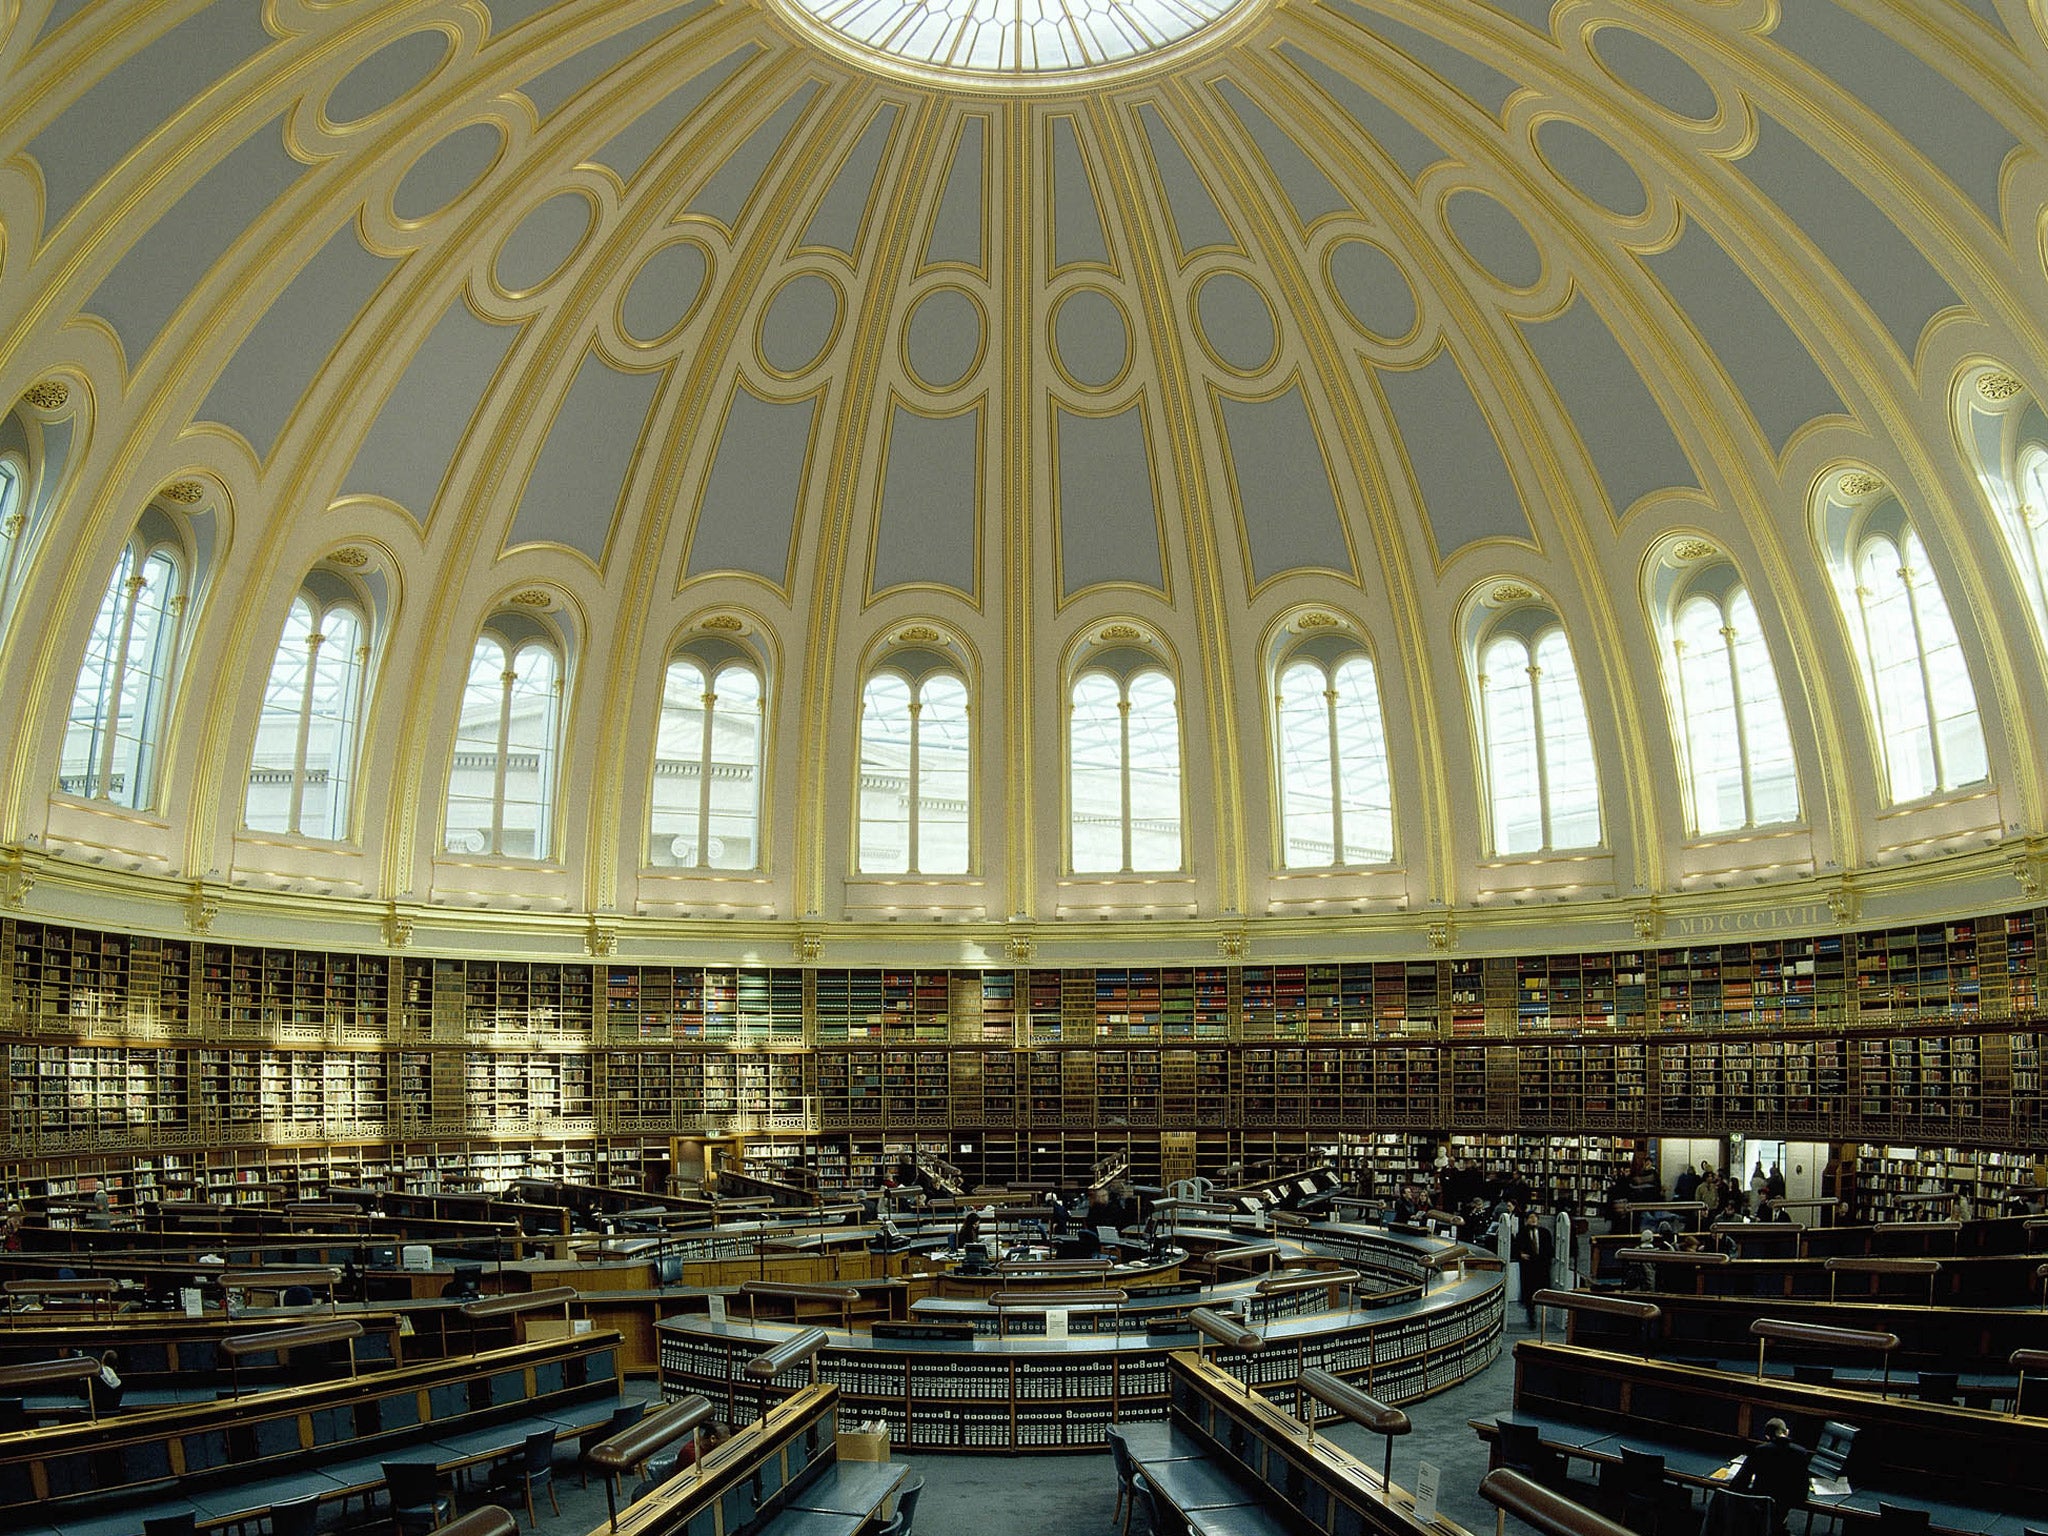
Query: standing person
{"type": "Point", "coordinates": [1686, 1185]}
{"type": "Point", "coordinates": [1774, 1183]}
{"type": "Point", "coordinates": [1759, 1181]}
{"type": "Point", "coordinates": [1776, 1467]}
{"type": "Point", "coordinates": [1533, 1252]}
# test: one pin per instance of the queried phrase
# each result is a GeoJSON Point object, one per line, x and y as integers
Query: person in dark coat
{"type": "Point", "coordinates": [1533, 1248]}
{"type": "Point", "coordinates": [1776, 1466]}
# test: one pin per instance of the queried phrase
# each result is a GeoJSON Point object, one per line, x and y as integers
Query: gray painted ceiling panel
{"type": "Point", "coordinates": [668, 283]}
{"type": "Point", "coordinates": [1076, 221]}
{"type": "Point", "coordinates": [843, 210]}
{"type": "Point", "coordinates": [724, 197]}
{"type": "Point", "coordinates": [1655, 72]}
{"type": "Point", "coordinates": [931, 502]}
{"type": "Point", "coordinates": [1474, 78]}
{"type": "Point", "coordinates": [1373, 289]}
{"type": "Point", "coordinates": [419, 431]}
{"type": "Point", "coordinates": [1531, 13]}
{"type": "Point", "coordinates": [956, 227]}
{"type": "Point", "coordinates": [161, 268]}
{"type": "Point", "coordinates": [1412, 150]}
{"type": "Point", "coordinates": [447, 171]}
{"type": "Point", "coordinates": [386, 76]}
{"type": "Point", "coordinates": [545, 242]}
{"type": "Point", "coordinates": [13, 435]}
{"type": "Point", "coordinates": [1285, 502]}
{"type": "Point", "coordinates": [1494, 238]}
{"type": "Point", "coordinates": [944, 338]}
{"type": "Point", "coordinates": [1197, 223]}
{"type": "Point", "coordinates": [96, 132]}
{"type": "Point", "coordinates": [1237, 322]}
{"type": "Point", "coordinates": [628, 151]}
{"type": "Point", "coordinates": [1987, 10]}
{"type": "Point", "coordinates": [278, 361]}
{"type": "Point", "coordinates": [1092, 339]}
{"type": "Point", "coordinates": [1109, 520]}
{"type": "Point", "coordinates": [1466, 490]}
{"type": "Point", "coordinates": [1591, 166]}
{"type": "Point", "coordinates": [61, 11]}
{"type": "Point", "coordinates": [578, 481]}
{"type": "Point", "coordinates": [1945, 123]}
{"type": "Point", "coordinates": [57, 439]}
{"type": "Point", "coordinates": [1866, 247]}
{"type": "Point", "coordinates": [507, 14]}
{"type": "Point", "coordinates": [1766, 361]}
{"type": "Point", "coordinates": [1627, 437]}
{"type": "Point", "coordinates": [799, 323]}
{"type": "Point", "coordinates": [1308, 191]}
{"type": "Point", "coordinates": [746, 518]}
{"type": "Point", "coordinates": [551, 87]}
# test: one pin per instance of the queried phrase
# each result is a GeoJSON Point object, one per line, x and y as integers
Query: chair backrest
{"type": "Point", "coordinates": [171, 1525]}
{"type": "Point", "coordinates": [13, 1414]}
{"type": "Point", "coordinates": [1937, 1386]}
{"type": "Point", "coordinates": [295, 1517]}
{"type": "Point", "coordinates": [1520, 1444]}
{"type": "Point", "coordinates": [540, 1451]}
{"type": "Point", "coordinates": [906, 1505]}
{"type": "Point", "coordinates": [412, 1483]}
{"type": "Point", "coordinates": [624, 1417]}
{"type": "Point", "coordinates": [1640, 1471]}
{"type": "Point", "coordinates": [1901, 1520]}
{"type": "Point", "coordinates": [1120, 1453]}
{"type": "Point", "coordinates": [1831, 1450]}
{"type": "Point", "coordinates": [1814, 1375]}
{"type": "Point", "coordinates": [668, 1270]}
{"type": "Point", "coordinates": [1738, 1514]}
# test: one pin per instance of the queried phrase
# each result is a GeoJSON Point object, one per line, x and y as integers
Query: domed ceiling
{"type": "Point", "coordinates": [1195, 325]}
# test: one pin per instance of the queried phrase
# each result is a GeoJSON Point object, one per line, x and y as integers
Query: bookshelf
{"type": "Point", "coordinates": [126, 1050]}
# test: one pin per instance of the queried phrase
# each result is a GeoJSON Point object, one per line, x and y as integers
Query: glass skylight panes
{"type": "Point", "coordinates": [1017, 39]}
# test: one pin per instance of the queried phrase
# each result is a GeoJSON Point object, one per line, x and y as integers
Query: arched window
{"type": "Point", "coordinates": [1543, 791]}
{"type": "Point", "coordinates": [705, 807]}
{"type": "Point", "coordinates": [2027, 527]}
{"type": "Point", "coordinates": [501, 786]}
{"type": "Point", "coordinates": [1123, 757]}
{"type": "Point", "coordinates": [914, 778]}
{"type": "Point", "coordinates": [1914, 669]}
{"type": "Point", "coordinates": [13, 517]}
{"type": "Point", "coordinates": [303, 765]}
{"type": "Point", "coordinates": [1336, 801]}
{"type": "Point", "coordinates": [1730, 715]}
{"type": "Point", "coordinates": [118, 706]}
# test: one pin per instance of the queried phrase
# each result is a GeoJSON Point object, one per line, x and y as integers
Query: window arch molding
{"type": "Point", "coordinates": [1332, 780]}
{"type": "Point", "coordinates": [305, 759]}
{"type": "Point", "coordinates": [1125, 753]}
{"type": "Point", "coordinates": [505, 759]}
{"type": "Point", "coordinates": [1919, 696]}
{"type": "Point", "coordinates": [122, 701]}
{"type": "Point", "coordinates": [707, 796]}
{"type": "Point", "coordinates": [917, 787]}
{"type": "Point", "coordinates": [1729, 730]}
{"type": "Point", "coordinates": [1538, 772]}
{"type": "Point", "coordinates": [39, 439]}
{"type": "Point", "coordinates": [2003, 431]}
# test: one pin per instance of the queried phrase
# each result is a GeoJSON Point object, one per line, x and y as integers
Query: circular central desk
{"type": "Point", "coordinates": [1030, 1375]}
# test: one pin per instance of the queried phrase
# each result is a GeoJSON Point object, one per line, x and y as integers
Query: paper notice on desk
{"type": "Point", "coordinates": [1723, 1474]}
{"type": "Point", "coordinates": [192, 1299]}
{"type": "Point", "coordinates": [1828, 1487]}
{"type": "Point", "coordinates": [1425, 1491]}
{"type": "Point", "coordinates": [717, 1307]}
{"type": "Point", "coordinates": [1055, 1322]}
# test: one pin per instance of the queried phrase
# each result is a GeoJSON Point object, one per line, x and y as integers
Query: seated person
{"type": "Point", "coordinates": [968, 1234]}
{"type": "Point", "coordinates": [1776, 1466]}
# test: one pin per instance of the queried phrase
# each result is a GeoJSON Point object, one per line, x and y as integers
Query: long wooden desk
{"type": "Point", "coordinates": [1714, 1415]}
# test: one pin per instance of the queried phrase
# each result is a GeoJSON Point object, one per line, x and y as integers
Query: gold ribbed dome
{"type": "Point", "coordinates": [1365, 323]}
